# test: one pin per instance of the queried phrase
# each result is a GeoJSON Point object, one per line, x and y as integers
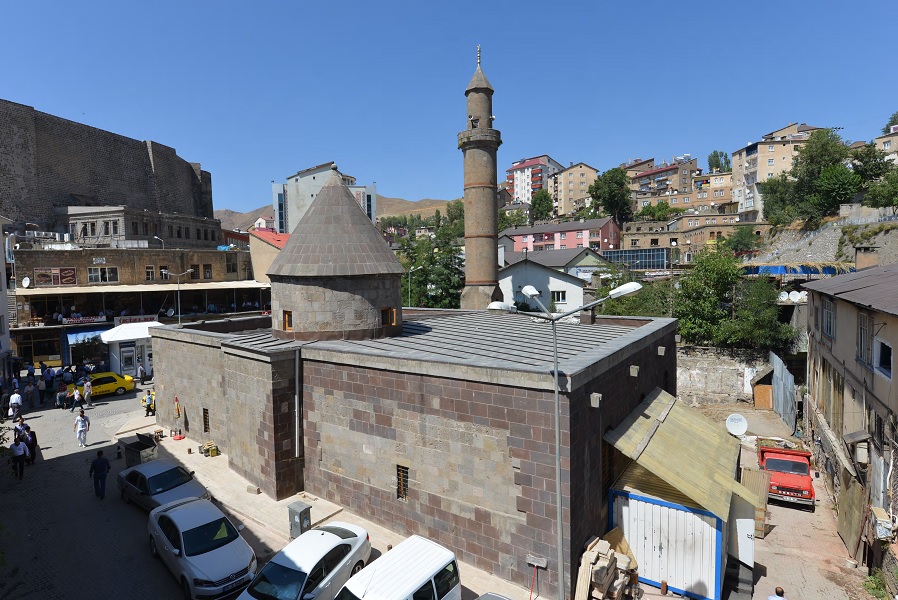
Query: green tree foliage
{"type": "Point", "coordinates": [884, 193]}
{"type": "Point", "coordinates": [742, 240]}
{"type": "Point", "coordinates": [454, 221]}
{"type": "Point", "coordinates": [720, 161]}
{"type": "Point", "coordinates": [610, 192]}
{"type": "Point", "coordinates": [870, 163]}
{"type": "Point", "coordinates": [660, 212]}
{"type": "Point", "coordinates": [837, 184]}
{"type": "Point", "coordinates": [541, 206]}
{"type": "Point", "coordinates": [781, 205]}
{"type": "Point", "coordinates": [438, 277]}
{"type": "Point", "coordinates": [655, 299]}
{"type": "Point", "coordinates": [824, 148]}
{"type": "Point", "coordinates": [716, 306]}
{"type": "Point", "coordinates": [511, 218]}
{"type": "Point", "coordinates": [893, 120]}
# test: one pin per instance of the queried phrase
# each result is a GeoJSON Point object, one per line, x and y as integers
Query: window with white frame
{"type": "Point", "coordinates": [559, 297]}
{"type": "Point", "coordinates": [102, 274]}
{"type": "Point", "coordinates": [882, 357]}
{"type": "Point", "coordinates": [887, 145]}
{"type": "Point", "coordinates": [579, 235]}
{"type": "Point", "coordinates": [865, 338]}
{"type": "Point", "coordinates": [829, 318]}
{"type": "Point", "coordinates": [770, 148]}
{"type": "Point", "coordinates": [563, 236]}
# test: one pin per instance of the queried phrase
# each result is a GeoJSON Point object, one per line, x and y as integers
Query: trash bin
{"type": "Point", "coordinates": [141, 451]}
{"type": "Point", "coordinates": [300, 518]}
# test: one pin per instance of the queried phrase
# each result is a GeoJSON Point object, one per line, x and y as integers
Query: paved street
{"type": "Point", "coordinates": [59, 539]}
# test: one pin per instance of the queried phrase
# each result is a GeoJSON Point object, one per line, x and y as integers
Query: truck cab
{"type": "Point", "coordinates": [790, 474]}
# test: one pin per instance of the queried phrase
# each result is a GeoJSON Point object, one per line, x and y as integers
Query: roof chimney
{"type": "Point", "coordinates": [866, 257]}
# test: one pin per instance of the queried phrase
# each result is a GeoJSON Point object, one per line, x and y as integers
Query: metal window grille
{"type": "Point", "coordinates": [401, 482]}
{"type": "Point", "coordinates": [205, 420]}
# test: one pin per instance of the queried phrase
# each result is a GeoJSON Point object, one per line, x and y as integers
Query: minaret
{"type": "Point", "coordinates": [479, 143]}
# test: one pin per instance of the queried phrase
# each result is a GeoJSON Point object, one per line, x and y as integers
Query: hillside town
{"type": "Point", "coordinates": [655, 378]}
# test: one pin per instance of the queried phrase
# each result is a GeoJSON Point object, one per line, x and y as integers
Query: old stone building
{"type": "Point", "coordinates": [47, 162]}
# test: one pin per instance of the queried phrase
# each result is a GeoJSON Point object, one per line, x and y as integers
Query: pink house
{"type": "Point", "coordinates": [598, 234]}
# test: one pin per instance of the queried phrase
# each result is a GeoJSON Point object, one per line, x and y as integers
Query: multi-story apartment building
{"type": "Point", "coordinates": [637, 165]}
{"type": "Point", "coordinates": [710, 192]}
{"type": "Point", "coordinates": [292, 199]}
{"type": "Point", "coordinates": [759, 161]}
{"type": "Point", "coordinates": [853, 409]}
{"type": "Point", "coordinates": [889, 144]}
{"type": "Point", "coordinates": [685, 234]}
{"type": "Point", "coordinates": [529, 175]}
{"type": "Point", "coordinates": [570, 188]}
{"type": "Point", "coordinates": [663, 182]}
{"type": "Point", "coordinates": [598, 234]}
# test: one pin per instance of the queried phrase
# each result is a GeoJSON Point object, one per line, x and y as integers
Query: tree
{"type": "Point", "coordinates": [870, 163]}
{"type": "Point", "coordinates": [884, 193]}
{"type": "Point", "coordinates": [705, 296]}
{"type": "Point", "coordinates": [511, 218]}
{"type": "Point", "coordinates": [720, 161]}
{"type": "Point", "coordinates": [438, 277]}
{"type": "Point", "coordinates": [611, 192]}
{"type": "Point", "coordinates": [780, 200]}
{"type": "Point", "coordinates": [660, 212]}
{"type": "Point", "coordinates": [454, 220]}
{"type": "Point", "coordinates": [541, 206]}
{"type": "Point", "coordinates": [742, 240]}
{"type": "Point", "coordinates": [755, 323]}
{"type": "Point", "coordinates": [824, 148]}
{"type": "Point", "coordinates": [836, 185]}
{"type": "Point", "coordinates": [893, 120]}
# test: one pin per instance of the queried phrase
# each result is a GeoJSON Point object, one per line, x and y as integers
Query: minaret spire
{"type": "Point", "coordinates": [478, 55]}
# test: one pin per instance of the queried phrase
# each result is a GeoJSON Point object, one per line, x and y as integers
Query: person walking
{"type": "Point", "coordinates": [41, 390]}
{"type": "Point", "coordinates": [30, 440]}
{"type": "Point", "coordinates": [62, 393]}
{"type": "Point", "coordinates": [29, 394]}
{"type": "Point", "coordinates": [19, 454]}
{"type": "Point", "coordinates": [4, 405]}
{"type": "Point", "coordinates": [149, 404]}
{"type": "Point", "coordinates": [76, 399]}
{"type": "Point", "coordinates": [88, 390]}
{"type": "Point", "coordinates": [99, 469]}
{"type": "Point", "coordinates": [15, 404]}
{"type": "Point", "coordinates": [19, 428]}
{"type": "Point", "coordinates": [82, 426]}
{"type": "Point", "coordinates": [141, 373]}
{"type": "Point", "coordinates": [778, 593]}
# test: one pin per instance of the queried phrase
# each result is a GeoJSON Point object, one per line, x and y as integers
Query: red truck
{"type": "Point", "coordinates": [790, 474]}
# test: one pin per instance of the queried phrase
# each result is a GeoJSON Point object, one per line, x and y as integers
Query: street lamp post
{"type": "Point", "coordinates": [156, 237]}
{"type": "Point", "coordinates": [179, 275]}
{"type": "Point", "coordinates": [410, 271]}
{"type": "Point", "coordinates": [531, 292]}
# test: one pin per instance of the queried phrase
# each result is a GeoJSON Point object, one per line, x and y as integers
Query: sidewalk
{"type": "Point", "coordinates": [269, 520]}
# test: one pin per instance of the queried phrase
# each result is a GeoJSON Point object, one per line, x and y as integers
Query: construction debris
{"type": "Point", "coordinates": [606, 573]}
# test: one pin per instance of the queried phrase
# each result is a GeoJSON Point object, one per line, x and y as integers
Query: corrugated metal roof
{"type": "Point", "coordinates": [875, 288]}
{"type": "Point", "coordinates": [639, 480]}
{"type": "Point", "coordinates": [553, 258]}
{"type": "Point", "coordinates": [557, 227]}
{"type": "Point", "coordinates": [684, 449]}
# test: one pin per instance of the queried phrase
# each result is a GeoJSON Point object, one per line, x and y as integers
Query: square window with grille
{"type": "Point", "coordinates": [401, 482]}
{"type": "Point", "coordinates": [205, 420]}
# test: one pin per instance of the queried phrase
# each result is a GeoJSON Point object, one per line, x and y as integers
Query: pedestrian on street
{"type": "Point", "coordinates": [19, 454]}
{"type": "Point", "coordinates": [29, 394]}
{"type": "Point", "coordinates": [62, 393]}
{"type": "Point", "coordinates": [76, 399]}
{"type": "Point", "coordinates": [99, 469]}
{"type": "Point", "coordinates": [41, 390]}
{"type": "Point", "coordinates": [4, 406]}
{"type": "Point", "coordinates": [15, 382]}
{"type": "Point", "coordinates": [82, 426]}
{"type": "Point", "coordinates": [88, 391]}
{"type": "Point", "coordinates": [142, 373]}
{"type": "Point", "coordinates": [30, 440]}
{"type": "Point", "coordinates": [149, 404]}
{"type": "Point", "coordinates": [778, 593]}
{"type": "Point", "coordinates": [19, 428]}
{"type": "Point", "coordinates": [15, 404]}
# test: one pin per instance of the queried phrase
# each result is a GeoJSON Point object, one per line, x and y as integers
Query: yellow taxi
{"type": "Point", "coordinates": [106, 383]}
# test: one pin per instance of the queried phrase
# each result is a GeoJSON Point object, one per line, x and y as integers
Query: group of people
{"type": "Point", "coordinates": [24, 447]}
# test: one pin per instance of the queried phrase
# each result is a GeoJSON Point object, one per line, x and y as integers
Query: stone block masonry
{"type": "Point", "coordinates": [717, 375]}
{"type": "Point", "coordinates": [45, 159]}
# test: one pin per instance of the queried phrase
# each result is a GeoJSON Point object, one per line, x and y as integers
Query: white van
{"type": "Point", "coordinates": [416, 569]}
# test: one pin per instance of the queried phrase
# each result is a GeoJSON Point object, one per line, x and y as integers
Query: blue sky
{"type": "Point", "coordinates": [256, 91]}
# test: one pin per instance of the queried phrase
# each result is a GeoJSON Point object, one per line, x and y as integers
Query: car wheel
{"type": "Point", "coordinates": [119, 391]}
{"type": "Point", "coordinates": [186, 587]}
{"type": "Point", "coordinates": [153, 549]}
{"type": "Point", "coordinates": [358, 567]}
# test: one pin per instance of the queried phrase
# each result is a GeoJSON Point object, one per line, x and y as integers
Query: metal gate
{"type": "Point", "coordinates": [783, 392]}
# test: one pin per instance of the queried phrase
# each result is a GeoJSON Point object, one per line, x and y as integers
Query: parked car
{"type": "Point", "coordinates": [106, 383]}
{"type": "Point", "coordinates": [201, 547]}
{"type": "Point", "coordinates": [159, 482]}
{"type": "Point", "coordinates": [314, 565]}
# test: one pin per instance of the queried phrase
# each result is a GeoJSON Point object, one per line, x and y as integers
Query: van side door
{"type": "Point", "coordinates": [448, 583]}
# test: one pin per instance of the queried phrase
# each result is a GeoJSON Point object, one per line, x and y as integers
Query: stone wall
{"type": "Point", "coordinates": [716, 375]}
{"type": "Point", "coordinates": [45, 159]}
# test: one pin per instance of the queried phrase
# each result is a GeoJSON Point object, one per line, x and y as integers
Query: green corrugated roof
{"type": "Point", "coordinates": [684, 449]}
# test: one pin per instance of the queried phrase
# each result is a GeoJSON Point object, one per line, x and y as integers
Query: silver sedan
{"type": "Point", "coordinates": [158, 482]}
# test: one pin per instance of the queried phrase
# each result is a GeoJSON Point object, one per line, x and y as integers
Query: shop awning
{"type": "Point", "coordinates": [169, 286]}
{"type": "Point", "coordinates": [128, 332]}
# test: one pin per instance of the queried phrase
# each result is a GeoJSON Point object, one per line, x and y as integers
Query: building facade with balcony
{"type": "Point", "coordinates": [759, 161]}
{"type": "Point", "coordinates": [570, 188]}
{"type": "Point", "coordinates": [530, 175]}
{"type": "Point", "coordinates": [597, 234]}
{"type": "Point", "coordinates": [710, 192]}
{"type": "Point", "coordinates": [669, 182]}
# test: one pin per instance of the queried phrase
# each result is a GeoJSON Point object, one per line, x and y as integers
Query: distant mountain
{"type": "Point", "coordinates": [391, 207]}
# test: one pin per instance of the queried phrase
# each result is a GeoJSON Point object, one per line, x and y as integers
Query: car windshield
{"type": "Point", "coordinates": [168, 480]}
{"type": "Point", "coordinates": [277, 582]}
{"type": "Point", "coordinates": [787, 466]}
{"type": "Point", "coordinates": [209, 537]}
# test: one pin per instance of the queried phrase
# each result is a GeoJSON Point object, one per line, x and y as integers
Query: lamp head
{"type": "Point", "coordinates": [191, 271]}
{"type": "Point", "coordinates": [530, 291]}
{"type": "Point", "coordinates": [164, 271]}
{"type": "Point", "coordinates": [625, 290]}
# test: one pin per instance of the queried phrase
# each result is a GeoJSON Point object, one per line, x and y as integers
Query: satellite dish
{"type": "Point", "coordinates": [170, 312]}
{"type": "Point", "coordinates": [794, 296]}
{"type": "Point", "coordinates": [736, 424]}
{"type": "Point", "coordinates": [803, 296]}
{"type": "Point", "coordinates": [26, 281]}
{"type": "Point", "coordinates": [783, 296]}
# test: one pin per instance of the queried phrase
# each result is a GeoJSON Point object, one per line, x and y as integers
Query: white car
{"type": "Point", "coordinates": [158, 482]}
{"type": "Point", "coordinates": [201, 547]}
{"type": "Point", "coordinates": [313, 566]}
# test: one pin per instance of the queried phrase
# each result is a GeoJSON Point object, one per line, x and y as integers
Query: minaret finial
{"type": "Point", "coordinates": [478, 55]}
